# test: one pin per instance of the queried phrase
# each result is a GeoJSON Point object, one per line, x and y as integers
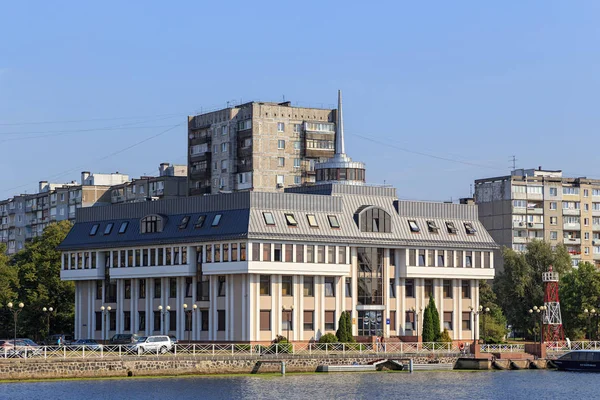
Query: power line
{"type": "Point", "coordinates": [83, 120]}
{"type": "Point", "coordinates": [98, 159]}
{"type": "Point", "coordinates": [425, 154]}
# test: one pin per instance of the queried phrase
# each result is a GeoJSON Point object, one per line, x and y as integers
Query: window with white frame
{"type": "Point", "coordinates": [534, 189]}
{"type": "Point", "coordinates": [520, 203]}
{"type": "Point", "coordinates": [281, 144]}
{"type": "Point", "coordinates": [553, 205]}
{"type": "Point", "coordinates": [570, 190]}
{"type": "Point", "coordinates": [224, 147]}
{"type": "Point", "coordinates": [519, 189]}
{"type": "Point", "coordinates": [296, 163]}
{"type": "Point", "coordinates": [280, 127]}
{"type": "Point", "coordinates": [297, 180]}
{"type": "Point", "coordinates": [297, 145]}
{"type": "Point", "coordinates": [553, 191]}
{"type": "Point", "coordinates": [280, 180]}
{"type": "Point", "coordinates": [281, 161]}
{"type": "Point", "coordinates": [553, 235]}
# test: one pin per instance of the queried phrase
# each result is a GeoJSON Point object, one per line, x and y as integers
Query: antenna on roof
{"type": "Point", "coordinates": [513, 159]}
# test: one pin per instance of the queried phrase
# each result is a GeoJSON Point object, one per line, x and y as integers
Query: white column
{"type": "Point", "coordinates": [230, 307]}
{"type": "Point", "coordinates": [245, 309]}
{"type": "Point", "coordinates": [399, 284]}
{"type": "Point", "coordinates": [119, 307]}
{"type": "Point", "coordinates": [457, 314]}
{"type": "Point", "coordinates": [149, 308]}
{"type": "Point", "coordinates": [475, 302]}
{"type": "Point", "coordinates": [135, 286]}
{"type": "Point", "coordinates": [298, 307]}
{"type": "Point", "coordinates": [180, 321]}
{"type": "Point", "coordinates": [438, 287]}
{"type": "Point", "coordinates": [77, 309]}
{"type": "Point", "coordinates": [213, 319]}
{"type": "Point", "coordinates": [354, 272]}
{"type": "Point", "coordinates": [386, 292]}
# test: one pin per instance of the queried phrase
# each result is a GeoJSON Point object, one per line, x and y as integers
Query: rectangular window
{"type": "Point", "coordinates": [266, 251]}
{"type": "Point", "coordinates": [204, 320]}
{"type": "Point", "coordinates": [421, 258]}
{"type": "Point", "coordinates": [392, 289]}
{"type": "Point", "coordinates": [553, 220]}
{"type": "Point", "coordinates": [112, 321]}
{"type": "Point", "coordinates": [329, 320]}
{"type": "Point", "coordinates": [157, 321]}
{"type": "Point", "coordinates": [265, 320]}
{"type": "Point", "coordinates": [217, 254]}
{"type": "Point", "coordinates": [331, 254]}
{"type": "Point", "coordinates": [216, 220]}
{"type": "Point", "coordinates": [448, 320]}
{"type": "Point", "coordinates": [308, 320]}
{"type": "Point", "coordinates": [333, 221]}
{"type": "Point", "coordinates": [98, 322]}
{"type": "Point", "coordinates": [126, 321]}
{"type": "Point", "coordinates": [234, 251]}
{"type": "Point", "coordinates": [202, 290]}
{"type": "Point", "coordinates": [469, 259]}
{"type": "Point", "coordinates": [309, 286]}
{"type": "Point", "coordinates": [329, 286]}
{"type": "Point", "coordinates": [312, 221]}
{"type": "Point", "coordinates": [173, 288]}
{"type": "Point", "coordinates": [127, 284]}
{"type": "Point", "coordinates": [447, 289]}
{"type": "Point", "coordinates": [428, 288]}
{"type": "Point", "coordinates": [222, 287]}
{"type": "Point", "coordinates": [281, 161]}
{"type": "Point", "coordinates": [142, 288]}
{"type": "Point", "coordinates": [409, 287]}
{"type": "Point", "coordinates": [123, 227]}
{"type": "Point", "coordinates": [342, 255]}
{"type": "Point", "coordinates": [297, 163]}
{"type": "Point", "coordinates": [291, 220]}
{"type": "Point", "coordinates": [321, 254]}
{"type": "Point", "coordinates": [409, 321]}
{"type": "Point", "coordinates": [466, 289]}
{"type": "Point", "coordinates": [310, 253]}
{"type": "Point", "coordinates": [287, 320]}
{"type": "Point", "coordinates": [277, 252]}
{"type": "Point", "coordinates": [157, 288]}
{"type": "Point", "coordinates": [172, 320]}
{"type": "Point", "coordinates": [466, 321]}
{"type": "Point", "coordinates": [553, 191]}
{"type": "Point", "coordinates": [280, 127]}
{"type": "Point", "coordinates": [221, 320]}
{"type": "Point", "coordinates": [348, 287]}
{"type": "Point", "coordinates": [200, 222]}
{"type": "Point", "coordinates": [299, 253]}
{"type": "Point", "coordinates": [281, 144]}
{"type": "Point", "coordinates": [287, 287]}
{"type": "Point", "coordinates": [242, 251]}
{"type": "Point", "coordinates": [188, 287]}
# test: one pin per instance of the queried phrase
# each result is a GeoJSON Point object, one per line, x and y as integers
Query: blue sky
{"type": "Point", "coordinates": [461, 85]}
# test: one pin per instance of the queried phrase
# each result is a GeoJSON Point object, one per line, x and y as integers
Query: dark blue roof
{"type": "Point", "coordinates": [233, 225]}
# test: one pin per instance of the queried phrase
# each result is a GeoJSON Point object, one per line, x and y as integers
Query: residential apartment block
{"type": "Point", "coordinates": [257, 146]}
{"type": "Point", "coordinates": [25, 216]}
{"type": "Point", "coordinates": [171, 182]}
{"type": "Point", "coordinates": [536, 204]}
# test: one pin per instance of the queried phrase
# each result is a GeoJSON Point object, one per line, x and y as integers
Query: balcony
{"type": "Point", "coordinates": [572, 241]}
{"type": "Point", "coordinates": [200, 191]}
{"type": "Point", "coordinates": [572, 227]}
{"type": "Point", "coordinates": [571, 211]}
{"type": "Point", "coordinates": [535, 210]}
{"type": "Point", "coordinates": [596, 256]}
{"type": "Point", "coordinates": [596, 213]}
{"type": "Point", "coordinates": [82, 274]}
{"type": "Point", "coordinates": [519, 210]}
{"type": "Point", "coordinates": [155, 272]}
{"type": "Point", "coordinates": [519, 239]}
{"type": "Point", "coordinates": [535, 225]}
{"type": "Point", "coordinates": [243, 152]}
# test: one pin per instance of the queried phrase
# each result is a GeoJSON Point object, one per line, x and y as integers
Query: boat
{"type": "Point", "coordinates": [579, 360]}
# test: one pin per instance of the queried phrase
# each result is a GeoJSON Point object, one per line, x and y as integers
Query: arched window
{"type": "Point", "coordinates": [152, 224]}
{"type": "Point", "coordinates": [373, 219]}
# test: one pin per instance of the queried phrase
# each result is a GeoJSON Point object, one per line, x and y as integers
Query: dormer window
{"type": "Point", "coordinates": [269, 220]}
{"type": "Point", "coordinates": [412, 224]}
{"type": "Point", "coordinates": [470, 228]}
{"type": "Point", "coordinates": [123, 227]}
{"type": "Point", "coordinates": [312, 220]}
{"type": "Point", "coordinates": [108, 228]}
{"type": "Point", "coordinates": [373, 219]}
{"type": "Point", "coordinates": [216, 220]}
{"type": "Point", "coordinates": [432, 227]}
{"type": "Point", "coordinates": [184, 222]}
{"type": "Point", "coordinates": [333, 221]}
{"type": "Point", "coordinates": [291, 220]}
{"type": "Point", "coordinates": [200, 221]}
{"type": "Point", "coordinates": [451, 228]}
{"type": "Point", "coordinates": [94, 229]}
{"type": "Point", "coordinates": [151, 224]}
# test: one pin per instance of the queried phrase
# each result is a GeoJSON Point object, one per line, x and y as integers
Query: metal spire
{"type": "Point", "coordinates": [339, 134]}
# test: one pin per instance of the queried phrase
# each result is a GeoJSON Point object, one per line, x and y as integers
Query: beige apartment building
{"type": "Point", "coordinates": [536, 204]}
{"type": "Point", "coordinates": [257, 146]}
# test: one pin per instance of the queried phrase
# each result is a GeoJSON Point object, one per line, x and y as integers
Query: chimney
{"type": "Point", "coordinates": [84, 176]}
{"type": "Point", "coordinates": [540, 168]}
{"type": "Point", "coordinates": [42, 186]}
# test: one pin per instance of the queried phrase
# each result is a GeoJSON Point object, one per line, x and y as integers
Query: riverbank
{"type": "Point", "coordinates": [25, 369]}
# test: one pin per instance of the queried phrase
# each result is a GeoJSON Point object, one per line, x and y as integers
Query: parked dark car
{"type": "Point", "coordinates": [52, 340]}
{"type": "Point", "coordinates": [124, 338]}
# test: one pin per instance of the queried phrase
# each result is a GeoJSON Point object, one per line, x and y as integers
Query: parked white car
{"type": "Point", "coordinates": [153, 344]}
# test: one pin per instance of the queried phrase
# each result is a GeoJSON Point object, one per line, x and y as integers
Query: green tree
{"type": "Point", "coordinates": [38, 266]}
{"type": "Point", "coordinates": [349, 334]}
{"type": "Point", "coordinates": [494, 322]}
{"type": "Point", "coordinates": [445, 337]}
{"type": "Point", "coordinates": [328, 338]}
{"type": "Point", "coordinates": [9, 286]}
{"type": "Point", "coordinates": [519, 287]}
{"type": "Point", "coordinates": [435, 319]}
{"type": "Point", "coordinates": [428, 329]}
{"type": "Point", "coordinates": [578, 290]}
{"type": "Point", "coordinates": [341, 332]}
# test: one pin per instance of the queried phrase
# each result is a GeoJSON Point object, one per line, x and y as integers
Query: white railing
{"type": "Point", "coordinates": [502, 348]}
{"type": "Point", "coordinates": [244, 349]}
{"type": "Point", "coordinates": [564, 346]}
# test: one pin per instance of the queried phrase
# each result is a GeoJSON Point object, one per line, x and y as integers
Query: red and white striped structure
{"type": "Point", "coordinates": [552, 322]}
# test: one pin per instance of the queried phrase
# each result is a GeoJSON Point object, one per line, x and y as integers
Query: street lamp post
{"type": "Point", "coordinates": [15, 312]}
{"type": "Point", "coordinates": [188, 318]}
{"type": "Point", "coordinates": [47, 312]}
{"type": "Point", "coordinates": [589, 315]}
{"type": "Point", "coordinates": [163, 312]}
{"type": "Point", "coordinates": [534, 312]}
{"type": "Point", "coordinates": [289, 320]}
{"type": "Point", "coordinates": [105, 317]}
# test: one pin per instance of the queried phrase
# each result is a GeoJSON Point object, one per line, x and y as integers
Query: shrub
{"type": "Point", "coordinates": [328, 338]}
{"type": "Point", "coordinates": [445, 337]}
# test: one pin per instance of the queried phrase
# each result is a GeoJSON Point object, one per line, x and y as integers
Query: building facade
{"type": "Point", "coordinates": [257, 146]}
{"type": "Point", "coordinates": [171, 182]}
{"type": "Point", "coordinates": [258, 265]}
{"type": "Point", "coordinates": [538, 204]}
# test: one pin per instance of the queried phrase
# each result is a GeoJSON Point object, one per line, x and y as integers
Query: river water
{"type": "Point", "coordinates": [504, 385]}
